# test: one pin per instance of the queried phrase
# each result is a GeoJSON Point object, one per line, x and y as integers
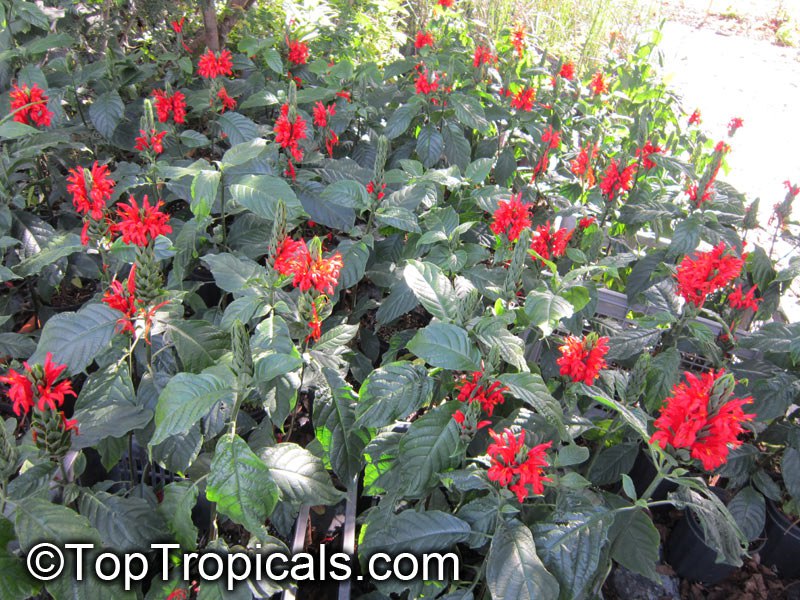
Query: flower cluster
{"type": "Point", "coordinates": [124, 299]}
{"type": "Point", "coordinates": [424, 38]}
{"type": "Point", "coordinates": [153, 141]}
{"type": "Point", "coordinates": [567, 70]}
{"type": "Point", "coordinates": [426, 82]}
{"type": "Point", "coordinates": [298, 52]}
{"type": "Point", "coordinates": [645, 152]}
{"type": "Point", "coordinates": [511, 217]}
{"type": "Point", "coordinates": [695, 118]}
{"type": "Point", "coordinates": [211, 66]}
{"type": "Point", "coordinates": [551, 140]}
{"type": "Point", "coordinates": [295, 259]}
{"type": "Point", "coordinates": [598, 84]}
{"type": "Point", "coordinates": [523, 99]}
{"type": "Point", "coordinates": [227, 103]}
{"type": "Point", "coordinates": [582, 164]}
{"type": "Point", "coordinates": [139, 225]}
{"type": "Point", "coordinates": [696, 418]}
{"type": "Point", "coordinates": [289, 132]}
{"type": "Point", "coordinates": [483, 56]}
{"type": "Point", "coordinates": [515, 466]}
{"type": "Point", "coordinates": [582, 359]}
{"type": "Point", "coordinates": [550, 244]}
{"type": "Point", "coordinates": [518, 40]}
{"type": "Point", "coordinates": [91, 196]}
{"type": "Point", "coordinates": [741, 300]}
{"type": "Point", "coordinates": [734, 124]}
{"type": "Point", "coordinates": [372, 188]}
{"type": "Point", "coordinates": [322, 113]}
{"type": "Point", "coordinates": [30, 105]}
{"type": "Point", "coordinates": [706, 273]}
{"type": "Point", "coordinates": [173, 105]}
{"type": "Point", "coordinates": [471, 390]}
{"type": "Point", "coordinates": [38, 387]}
{"type": "Point", "coordinates": [617, 180]}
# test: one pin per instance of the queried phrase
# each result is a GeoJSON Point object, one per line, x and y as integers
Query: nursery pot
{"type": "Point", "coordinates": [643, 473]}
{"type": "Point", "coordinates": [782, 549]}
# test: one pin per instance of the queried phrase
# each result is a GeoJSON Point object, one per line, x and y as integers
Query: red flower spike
{"type": "Point", "coordinates": [20, 391]}
{"type": "Point", "coordinates": [30, 105]}
{"type": "Point", "coordinates": [645, 152]}
{"type": "Point", "coordinates": [518, 40]}
{"type": "Point", "coordinates": [567, 70]}
{"type": "Point", "coordinates": [139, 225]}
{"type": "Point", "coordinates": [582, 359]}
{"type": "Point", "coordinates": [487, 397]}
{"type": "Point", "coordinates": [617, 181]}
{"type": "Point", "coordinates": [90, 198]}
{"type": "Point", "coordinates": [742, 301]}
{"type": "Point", "coordinates": [511, 217]}
{"type": "Point", "coordinates": [150, 141]}
{"type": "Point", "coordinates": [228, 103]}
{"type": "Point", "coordinates": [695, 118]}
{"type": "Point", "coordinates": [445, 3]}
{"type": "Point", "coordinates": [523, 99]}
{"type": "Point", "coordinates": [167, 105]}
{"type": "Point", "coordinates": [689, 419]}
{"type": "Point", "coordinates": [706, 273]}
{"type": "Point", "coordinates": [515, 466]}
{"type": "Point", "coordinates": [582, 164]}
{"type": "Point", "coordinates": [586, 222]}
{"type": "Point", "coordinates": [294, 258]}
{"type": "Point", "coordinates": [321, 113]}
{"type": "Point", "coordinates": [315, 325]}
{"type": "Point", "coordinates": [424, 38]}
{"type": "Point", "coordinates": [211, 66]}
{"type": "Point", "coordinates": [598, 84]}
{"type": "Point", "coordinates": [483, 56]}
{"type": "Point", "coordinates": [177, 26]}
{"type": "Point", "coordinates": [51, 391]}
{"type": "Point", "coordinates": [298, 52]}
{"type": "Point", "coordinates": [288, 133]}
{"type": "Point", "coordinates": [549, 244]}
{"type": "Point", "coordinates": [426, 83]}
{"type": "Point", "coordinates": [734, 124]}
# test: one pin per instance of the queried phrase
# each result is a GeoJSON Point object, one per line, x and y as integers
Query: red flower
{"type": "Point", "coordinates": [582, 164]}
{"type": "Point", "coordinates": [371, 187]}
{"type": "Point", "coordinates": [692, 192]}
{"type": "Point", "coordinates": [51, 393]}
{"type": "Point", "coordinates": [315, 325]}
{"type": "Point", "coordinates": [551, 137]}
{"type": "Point", "coordinates": [298, 52]}
{"type": "Point", "coordinates": [21, 390]}
{"type": "Point", "coordinates": [567, 70]}
{"type": "Point", "coordinates": [90, 197]}
{"type": "Point", "coordinates": [550, 245]}
{"type": "Point", "coordinates": [722, 148]}
{"type": "Point", "coordinates": [426, 83]}
{"type": "Point", "coordinates": [138, 225]}
{"type": "Point", "coordinates": [694, 118]}
{"type": "Point", "coordinates": [29, 105]}
{"type": "Point", "coordinates": [482, 56]}
{"type": "Point", "coordinates": [288, 133]}
{"type": "Point", "coordinates": [211, 66]}
{"type": "Point", "coordinates": [742, 301]}
{"type": "Point", "coordinates": [124, 300]}
{"type": "Point", "coordinates": [523, 99]}
{"type": "Point", "coordinates": [693, 418]}
{"type": "Point", "coordinates": [178, 594]}
{"type": "Point", "coordinates": [228, 103]}
{"type": "Point", "coordinates": [321, 114]}
{"type": "Point", "coordinates": [445, 3]}
{"type": "Point", "coordinates": [166, 105]}
{"type": "Point", "coordinates": [518, 40]}
{"type": "Point", "coordinates": [515, 466]}
{"type": "Point", "coordinates": [706, 273]}
{"type": "Point", "coordinates": [645, 152]}
{"type": "Point", "coordinates": [734, 124]}
{"type": "Point", "coordinates": [598, 84]}
{"type": "Point", "coordinates": [294, 258]}
{"type": "Point", "coordinates": [69, 424]}
{"type": "Point", "coordinates": [345, 94]}
{"type": "Point", "coordinates": [616, 181]}
{"type": "Point", "coordinates": [154, 141]}
{"type": "Point", "coordinates": [424, 38]}
{"type": "Point", "coordinates": [331, 142]}
{"type": "Point", "coordinates": [487, 397]}
{"type": "Point", "coordinates": [582, 359]}
{"type": "Point", "coordinates": [177, 26]}
{"type": "Point", "coordinates": [511, 217]}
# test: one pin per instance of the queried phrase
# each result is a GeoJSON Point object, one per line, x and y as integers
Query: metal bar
{"type": "Point", "coordinates": [349, 534]}
{"type": "Point", "coordinates": [298, 544]}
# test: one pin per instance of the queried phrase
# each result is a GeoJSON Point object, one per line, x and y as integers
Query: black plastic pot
{"type": "Point", "coordinates": [782, 549]}
{"type": "Point", "coordinates": [643, 473]}
{"type": "Point", "coordinates": [691, 557]}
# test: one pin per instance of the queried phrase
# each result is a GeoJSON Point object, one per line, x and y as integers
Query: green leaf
{"type": "Point", "coordinates": [355, 255]}
{"type": "Point", "coordinates": [335, 339]}
{"type": "Point", "coordinates": [433, 289]}
{"type": "Point", "coordinates": [611, 463]}
{"type": "Point", "coordinates": [632, 415]}
{"type": "Point", "coordinates": [242, 153]}
{"type": "Point", "coordinates": [261, 194]}
{"type": "Point", "coordinates": [347, 193]}
{"type": "Point", "coordinates": [412, 531]}
{"type": "Point", "coordinates": [401, 119]}
{"type": "Point", "coordinates": [106, 112]}
{"type": "Point", "coordinates": [127, 524]}
{"type": "Point", "coordinates": [271, 365]}
{"type": "Point", "coordinates": [478, 170]}
{"type": "Point", "coordinates": [391, 392]}
{"type": "Point", "coordinates": [237, 127]}
{"type": "Point", "coordinates": [400, 301]}
{"type": "Point", "coordinates": [571, 546]}
{"type": "Point", "coordinates": [15, 581]}
{"type": "Point", "coordinates": [428, 449]}
{"type": "Point", "coordinates": [180, 498]}
{"type": "Point", "coordinates": [12, 130]}
{"type": "Point", "coordinates": [300, 476]}
{"type": "Point", "coordinates": [749, 510]}
{"type": "Point", "coordinates": [193, 139]}
{"type": "Point", "coordinates": [546, 310]}
{"type": "Point", "coordinates": [185, 400]}
{"type": "Point", "coordinates": [39, 520]}
{"type": "Point", "coordinates": [790, 468]}
{"type": "Point", "coordinates": [205, 186]}
{"type": "Point", "coordinates": [398, 217]}
{"type": "Point", "coordinates": [60, 246]}
{"type": "Point", "coordinates": [16, 345]}
{"type": "Point", "coordinates": [531, 389]}
{"type": "Point", "coordinates": [636, 545]}
{"type": "Point", "coordinates": [241, 484]}
{"type": "Point", "coordinates": [75, 338]}
{"type": "Point", "coordinates": [493, 333]}
{"type": "Point", "coordinates": [233, 273]}
{"type": "Point", "coordinates": [631, 342]}
{"type": "Point", "coordinates": [457, 150]}
{"type": "Point", "coordinates": [513, 569]}
{"type": "Point", "coordinates": [447, 346]}
{"type": "Point", "coordinates": [430, 145]}
{"type": "Point", "coordinates": [469, 111]}
{"type": "Point", "coordinates": [199, 343]}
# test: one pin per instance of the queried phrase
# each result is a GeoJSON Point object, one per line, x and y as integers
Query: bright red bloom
{"type": "Point", "coordinates": [424, 38]}
{"type": "Point", "coordinates": [177, 26]}
{"type": "Point", "coordinates": [294, 258]}
{"type": "Point", "coordinates": [692, 191]}
{"type": "Point", "coordinates": [124, 300]}
{"type": "Point", "coordinates": [722, 148]}
{"type": "Point", "coordinates": [21, 390]}
{"type": "Point", "coordinates": [515, 466]}
{"type": "Point", "coordinates": [90, 197]}
{"type": "Point", "coordinates": [69, 424]}
{"type": "Point", "coordinates": [315, 325]}
{"type": "Point", "coordinates": [228, 103]}
{"type": "Point", "coordinates": [511, 217]}
{"type": "Point", "coordinates": [582, 359]}
{"type": "Point", "coordinates": [51, 391]}
{"type": "Point", "coordinates": [38, 386]}
{"type": "Point", "coordinates": [706, 273]}
{"type": "Point", "coordinates": [482, 56]}
{"type": "Point", "coordinates": [567, 70]}
{"type": "Point", "coordinates": [288, 133]}
{"type": "Point", "coordinates": [551, 137]}
{"type": "Point", "coordinates": [697, 419]}
{"type": "Point", "coordinates": [586, 222]}
{"type": "Point", "coordinates": [694, 118]}
{"type": "Point", "coordinates": [211, 66]}
{"type": "Point", "coordinates": [331, 142]}
{"type": "Point", "coordinates": [298, 52]}
{"type": "Point", "coordinates": [523, 99]}
{"type": "Point", "coordinates": [549, 244]}
{"type": "Point", "coordinates": [734, 124]}
{"type": "Point", "coordinates": [426, 83]}
{"type": "Point", "coordinates": [615, 181]}
{"type": "Point", "coordinates": [345, 94]}
{"type": "Point", "coordinates": [445, 3]}
{"type": "Point", "coordinates": [178, 594]}
{"type": "Point", "coordinates": [153, 141]}
{"type": "Point", "coordinates": [582, 164]}
{"type": "Point", "coordinates": [793, 190]}
{"type": "Point", "coordinates": [518, 40]}
{"type": "Point", "coordinates": [170, 104]}
{"type": "Point", "coordinates": [742, 301]}
{"type": "Point", "coordinates": [598, 84]}
{"type": "Point", "coordinates": [30, 105]}
{"type": "Point", "coordinates": [473, 391]}
{"type": "Point", "coordinates": [140, 224]}
{"type": "Point", "coordinates": [371, 188]}
{"type": "Point", "coordinates": [322, 113]}
{"type": "Point", "coordinates": [645, 152]}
